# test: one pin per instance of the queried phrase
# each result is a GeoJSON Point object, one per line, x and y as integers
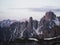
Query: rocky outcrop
{"type": "Point", "coordinates": [32, 28]}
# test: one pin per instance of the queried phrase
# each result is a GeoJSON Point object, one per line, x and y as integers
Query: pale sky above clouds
{"type": "Point", "coordinates": [6, 5]}
{"type": "Point", "coordinates": [28, 3]}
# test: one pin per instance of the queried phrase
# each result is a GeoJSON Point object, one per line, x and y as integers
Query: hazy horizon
{"type": "Point", "coordinates": [21, 9]}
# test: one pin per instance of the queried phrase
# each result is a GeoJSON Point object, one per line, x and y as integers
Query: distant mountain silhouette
{"type": "Point", "coordinates": [47, 8]}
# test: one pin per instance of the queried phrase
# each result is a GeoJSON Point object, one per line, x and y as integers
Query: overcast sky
{"type": "Point", "coordinates": [28, 3]}
{"type": "Point", "coordinates": [8, 7]}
